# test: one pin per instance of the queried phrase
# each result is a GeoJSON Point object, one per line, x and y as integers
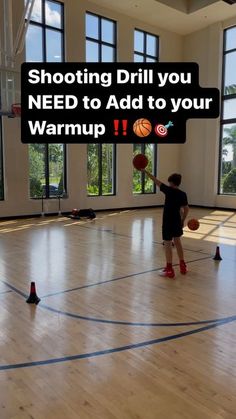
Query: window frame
{"type": "Point", "coordinates": [100, 173]}
{"type": "Point", "coordinates": [44, 26]}
{"type": "Point", "coordinates": [2, 198]}
{"type": "Point", "coordinates": [142, 151]}
{"type": "Point", "coordinates": [47, 173]}
{"type": "Point", "coordinates": [145, 56]}
{"type": "Point", "coordinates": [100, 43]}
{"type": "Point", "coordinates": [99, 40]}
{"type": "Point", "coordinates": [144, 53]}
{"type": "Point", "coordinates": [223, 121]}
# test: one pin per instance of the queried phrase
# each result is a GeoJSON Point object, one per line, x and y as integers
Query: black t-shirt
{"type": "Point", "coordinates": [174, 200]}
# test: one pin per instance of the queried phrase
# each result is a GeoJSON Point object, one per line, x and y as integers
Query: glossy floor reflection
{"type": "Point", "coordinates": [110, 338]}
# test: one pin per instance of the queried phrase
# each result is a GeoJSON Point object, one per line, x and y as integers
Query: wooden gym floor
{"type": "Point", "coordinates": [110, 339]}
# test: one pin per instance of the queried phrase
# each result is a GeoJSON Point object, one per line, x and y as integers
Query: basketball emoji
{"type": "Point", "coordinates": [142, 127]}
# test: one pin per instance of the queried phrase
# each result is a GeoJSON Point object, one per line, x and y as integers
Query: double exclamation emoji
{"type": "Point", "coordinates": [124, 126]}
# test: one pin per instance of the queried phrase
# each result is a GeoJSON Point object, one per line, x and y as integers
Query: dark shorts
{"type": "Point", "coordinates": [170, 231]}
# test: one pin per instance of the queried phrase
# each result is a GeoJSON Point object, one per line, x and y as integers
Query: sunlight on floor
{"type": "Point", "coordinates": [216, 227]}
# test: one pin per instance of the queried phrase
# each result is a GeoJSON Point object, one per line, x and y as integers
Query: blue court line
{"type": "Point", "coordinates": [5, 292]}
{"type": "Point", "coordinates": [132, 237]}
{"type": "Point", "coordinates": [110, 351]}
{"type": "Point", "coordinates": [95, 284]}
{"type": "Point", "coordinates": [116, 322]}
{"type": "Point", "coordinates": [12, 288]}
{"type": "Point", "coordinates": [124, 323]}
{"type": "Point", "coordinates": [114, 279]}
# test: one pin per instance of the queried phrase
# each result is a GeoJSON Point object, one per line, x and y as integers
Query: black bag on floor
{"type": "Point", "coordinates": [88, 213]}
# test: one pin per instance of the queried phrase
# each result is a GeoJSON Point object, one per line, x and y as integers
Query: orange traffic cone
{"type": "Point", "coordinates": [33, 298]}
{"type": "Point", "coordinates": [217, 255]}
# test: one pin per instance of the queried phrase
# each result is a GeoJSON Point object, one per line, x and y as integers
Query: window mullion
{"type": "Point", "coordinates": [47, 171]}
{"type": "Point", "coordinates": [100, 191]}
{"type": "Point", "coordinates": [100, 39]}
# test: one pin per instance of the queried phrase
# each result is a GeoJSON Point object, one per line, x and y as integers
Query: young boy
{"type": "Point", "coordinates": [175, 211]}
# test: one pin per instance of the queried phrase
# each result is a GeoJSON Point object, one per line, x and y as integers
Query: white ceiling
{"type": "Point", "coordinates": [187, 6]}
{"type": "Point", "coordinates": [180, 16]}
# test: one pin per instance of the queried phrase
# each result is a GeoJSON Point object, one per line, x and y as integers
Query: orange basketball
{"type": "Point", "coordinates": [142, 127]}
{"type": "Point", "coordinates": [193, 224]}
{"type": "Point", "coordinates": [140, 161]}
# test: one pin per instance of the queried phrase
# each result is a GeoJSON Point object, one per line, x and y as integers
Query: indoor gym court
{"type": "Point", "coordinates": [110, 338]}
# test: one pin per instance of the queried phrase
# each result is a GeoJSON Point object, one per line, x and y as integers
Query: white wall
{"type": "Point", "coordinates": [17, 201]}
{"type": "Point", "coordinates": [200, 154]}
{"type": "Point", "coordinates": [197, 160]}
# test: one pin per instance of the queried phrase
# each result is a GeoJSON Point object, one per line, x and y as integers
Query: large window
{"type": "Point", "coordinates": [47, 170]}
{"type": "Point", "coordinates": [45, 42]}
{"type": "Point", "coordinates": [145, 47]}
{"type": "Point", "coordinates": [45, 35]}
{"type": "Point", "coordinates": [101, 47]}
{"type": "Point", "coordinates": [145, 50]}
{"type": "Point", "coordinates": [141, 183]}
{"type": "Point", "coordinates": [100, 39]}
{"type": "Point", "coordinates": [1, 165]}
{"type": "Point", "coordinates": [101, 167]}
{"type": "Point", "coordinates": [227, 178]}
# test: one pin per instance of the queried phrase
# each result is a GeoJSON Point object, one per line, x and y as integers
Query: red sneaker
{"type": "Point", "coordinates": [167, 273]}
{"type": "Point", "coordinates": [183, 268]}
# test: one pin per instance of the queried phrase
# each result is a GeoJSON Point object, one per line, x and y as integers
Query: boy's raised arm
{"type": "Point", "coordinates": [155, 180]}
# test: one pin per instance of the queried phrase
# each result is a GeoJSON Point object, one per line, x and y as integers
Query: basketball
{"type": "Point", "coordinates": [140, 161]}
{"type": "Point", "coordinates": [193, 224]}
{"type": "Point", "coordinates": [142, 127]}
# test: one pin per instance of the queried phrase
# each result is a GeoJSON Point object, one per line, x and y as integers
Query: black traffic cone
{"type": "Point", "coordinates": [217, 255]}
{"type": "Point", "coordinates": [33, 298]}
